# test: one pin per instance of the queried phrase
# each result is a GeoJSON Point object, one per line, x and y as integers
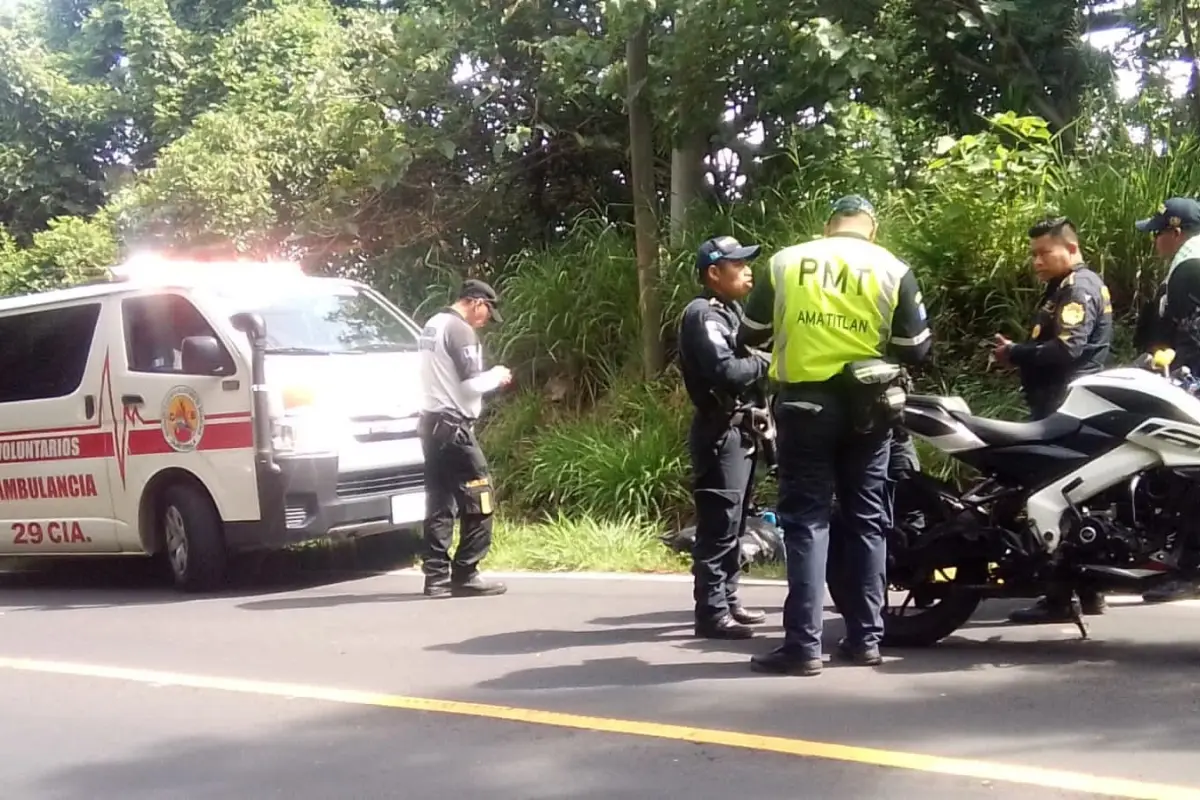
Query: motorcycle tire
{"type": "Point", "coordinates": [930, 625]}
{"type": "Point", "coordinates": [925, 628]}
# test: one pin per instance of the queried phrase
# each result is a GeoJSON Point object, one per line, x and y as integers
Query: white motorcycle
{"type": "Point", "coordinates": [1103, 494]}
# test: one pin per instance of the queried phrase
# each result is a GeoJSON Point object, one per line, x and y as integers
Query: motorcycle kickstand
{"type": "Point", "coordinates": [1077, 616]}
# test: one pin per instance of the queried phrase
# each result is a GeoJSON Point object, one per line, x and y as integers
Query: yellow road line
{"type": "Point", "coordinates": [982, 770]}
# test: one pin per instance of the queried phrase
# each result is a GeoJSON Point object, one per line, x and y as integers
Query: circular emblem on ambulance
{"type": "Point", "coordinates": [182, 419]}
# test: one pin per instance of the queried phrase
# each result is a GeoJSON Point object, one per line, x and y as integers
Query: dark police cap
{"type": "Point", "coordinates": [852, 204]}
{"type": "Point", "coordinates": [478, 290]}
{"type": "Point", "coordinates": [1181, 213]}
{"type": "Point", "coordinates": [724, 248]}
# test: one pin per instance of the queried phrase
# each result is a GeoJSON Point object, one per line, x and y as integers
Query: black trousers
{"type": "Point", "coordinates": [457, 479]}
{"type": "Point", "coordinates": [723, 461]}
{"type": "Point", "coordinates": [821, 454]}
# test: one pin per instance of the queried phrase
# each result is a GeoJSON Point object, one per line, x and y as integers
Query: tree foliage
{"type": "Point", "coordinates": [411, 143]}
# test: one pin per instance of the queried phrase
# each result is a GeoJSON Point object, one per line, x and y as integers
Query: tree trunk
{"type": "Point", "coordinates": [686, 180]}
{"type": "Point", "coordinates": [1189, 43]}
{"type": "Point", "coordinates": [641, 158]}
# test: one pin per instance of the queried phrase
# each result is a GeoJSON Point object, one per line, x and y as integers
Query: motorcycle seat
{"type": "Point", "coordinates": [947, 403]}
{"type": "Point", "coordinates": [1006, 434]}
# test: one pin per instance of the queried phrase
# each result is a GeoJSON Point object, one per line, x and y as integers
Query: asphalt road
{"type": "Point", "coordinates": [118, 691]}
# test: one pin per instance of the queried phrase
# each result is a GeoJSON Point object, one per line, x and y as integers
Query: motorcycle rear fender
{"type": "Point", "coordinates": [929, 418]}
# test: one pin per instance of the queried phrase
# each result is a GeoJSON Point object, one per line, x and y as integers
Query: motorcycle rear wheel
{"type": "Point", "coordinates": [935, 622]}
{"type": "Point", "coordinates": [931, 623]}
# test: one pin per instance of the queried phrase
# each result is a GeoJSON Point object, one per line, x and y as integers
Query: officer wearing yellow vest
{"type": "Point", "coordinates": [836, 306]}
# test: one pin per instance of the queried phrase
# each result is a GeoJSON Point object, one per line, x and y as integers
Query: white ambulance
{"type": "Point", "coordinates": [195, 410]}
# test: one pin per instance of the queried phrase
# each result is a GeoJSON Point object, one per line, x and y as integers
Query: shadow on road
{"type": "Point", "coordinates": [957, 654]}
{"type": "Point", "coordinates": [372, 754]}
{"type": "Point", "coordinates": [99, 582]}
{"type": "Point", "coordinates": [331, 601]}
{"type": "Point", "coordinates": [672, 628]}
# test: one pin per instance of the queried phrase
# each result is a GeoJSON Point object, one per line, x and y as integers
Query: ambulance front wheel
{"type": "Point", "coordinates": [193, 539]}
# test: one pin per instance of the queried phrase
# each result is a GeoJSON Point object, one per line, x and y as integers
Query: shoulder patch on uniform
{"type": "Point", "coordinates": [1071, 314]}
{"type": "Point", "coordinates": [717, 332]}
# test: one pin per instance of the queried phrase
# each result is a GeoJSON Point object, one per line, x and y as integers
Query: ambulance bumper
{"type": "Point", "coordinates": [309, 498]}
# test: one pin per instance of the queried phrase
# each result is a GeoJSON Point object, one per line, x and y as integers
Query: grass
{"type": "Point", "coordinates": [587, 544]}
{"type": "Point", "coordinates": [583, 544]}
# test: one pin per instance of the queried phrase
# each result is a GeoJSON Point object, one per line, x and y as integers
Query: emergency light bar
{"type": "Point", "coordinates": [159, 270]}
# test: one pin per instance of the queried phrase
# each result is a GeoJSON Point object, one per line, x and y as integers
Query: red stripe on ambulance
{"type": "Point", "coordinates": [215, 436]}
{"type": "Point", "coordinates": [56, 448]}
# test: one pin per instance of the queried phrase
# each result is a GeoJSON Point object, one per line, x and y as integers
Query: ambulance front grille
{"type": "Point", "coordinates": [296, 516]}
{"type": "Point", "coordinates": [391, 480]}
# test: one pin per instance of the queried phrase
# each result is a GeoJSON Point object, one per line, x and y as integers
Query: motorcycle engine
{"type": "Point", "coordinates": [1100, 537]}
{"type": "Point", "coordinates": [1140, 522]}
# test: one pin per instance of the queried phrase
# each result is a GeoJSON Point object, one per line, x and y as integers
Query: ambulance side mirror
{"type": "Point", "coordinates": [252, 325]}
{"type": "Point", "coordinates": [202, 355]}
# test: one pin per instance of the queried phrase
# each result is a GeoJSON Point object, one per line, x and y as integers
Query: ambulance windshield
{"type": "Point", "coordinates": [313, 318]}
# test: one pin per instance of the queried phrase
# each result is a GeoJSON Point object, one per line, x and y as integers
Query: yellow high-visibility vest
{"type": "Point", "coordinates": [834, 300]}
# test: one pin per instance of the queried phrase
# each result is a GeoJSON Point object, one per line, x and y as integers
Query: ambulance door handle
{"type": "Point", "coordinates": [89, 406]}
{"type": "Point", "coordinates": [133, 400]}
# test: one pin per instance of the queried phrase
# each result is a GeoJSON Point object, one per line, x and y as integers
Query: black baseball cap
{"type": "Point", "coordinates": [474, 289]}
{"type": "Point", "coordinates": [1181, 213]}
{"type": "Point", "coordinates": [852, 204]}
{"type": "Point", "coordinates": [724, 248]}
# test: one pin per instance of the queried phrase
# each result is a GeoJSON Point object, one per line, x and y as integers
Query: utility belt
{"type": "Point", "coordinates": [446, 418]}
{"type": "Point", "coordinates": [755, 421]}
{"type": "Point", "coordinates": [876, 391]}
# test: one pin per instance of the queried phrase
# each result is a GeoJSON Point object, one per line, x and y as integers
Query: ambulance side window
{"type": "Point", "coordinates": [44, 353]}
{"type": "Point", "coordinates": [155, 327]}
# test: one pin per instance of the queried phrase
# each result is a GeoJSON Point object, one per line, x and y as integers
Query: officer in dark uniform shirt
{"type": "Point", "coordinates": [1172, 318]}
{"type": "Point", "coordinates": [718, 378]}
{"type": "Point", "coordinates": [1072, 336]}
{"type": "Point", "coordinates": [1072, 329]}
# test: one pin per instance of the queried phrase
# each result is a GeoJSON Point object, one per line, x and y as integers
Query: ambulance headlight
{"type": "Point", "coordinates": [304, 435]}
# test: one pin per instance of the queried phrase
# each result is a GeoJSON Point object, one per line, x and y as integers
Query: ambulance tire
{"type": "Point", "coordinates": [193, 539]}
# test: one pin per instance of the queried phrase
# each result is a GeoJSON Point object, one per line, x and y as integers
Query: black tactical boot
{"type": "Point", "coordinates": [781, 662]}
{"type": "Point", "coordinates": [746, 616]}
{"type": "Point", "coordinates": [1169, 592]}
{"type": "Point", "coordinates": [476, 586]}
{"type": "Point", "coordinates": [860, 656]}
{"type": "Point", "coordinates": [722, 627]}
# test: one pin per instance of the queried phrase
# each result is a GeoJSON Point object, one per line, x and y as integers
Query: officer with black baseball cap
{"type": "Point", "coordinates": [1172, 318]}
{"type": "Point", "coordinates": [718, 377]}
{"type": "Point", "coordinates": [456, 472]}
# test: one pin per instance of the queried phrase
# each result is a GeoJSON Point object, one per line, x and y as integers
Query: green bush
{"type": "Point", "coordinates": [625, 456]}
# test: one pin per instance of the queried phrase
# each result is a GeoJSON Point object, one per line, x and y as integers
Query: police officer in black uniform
{"type": "Point", "coordinates": [719, 378]}
{"type": "Point", "coordinates": [1172, 318]}
{"type": "Point", "coordinates": [1072, 336]}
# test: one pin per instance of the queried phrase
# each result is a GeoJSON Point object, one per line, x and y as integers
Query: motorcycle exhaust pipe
{"type": "Point", "coordinates": [1119, 577]}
